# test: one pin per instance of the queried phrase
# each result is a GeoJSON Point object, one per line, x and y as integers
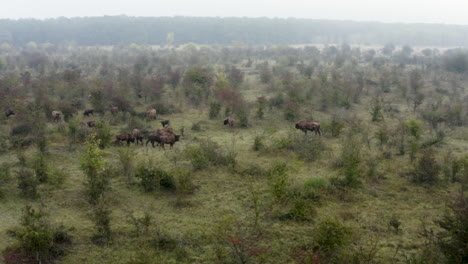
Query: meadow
{"type": "Point", "coordinates": [384, 183]}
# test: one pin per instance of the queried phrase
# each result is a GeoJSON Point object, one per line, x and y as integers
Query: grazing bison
{"type": "Point", "coordinates": [88, 112]}
{"type": "Point", "coordinates": [151, 114]}
{"type": "Point", "coordinates": [124, 137]}
{"type": "Point", "coordinates": [91, 123]}
{"type": "Point", "coordinates": [56, 115]}
{"type": "Point", "coordinates": [137, 135]}
{"type": "Point", "coordinates": [9, 113]}
{"type": "Point", "coordinates": [305, 125]}
{"type": "Point", "coordinates": [229, 121]}
{"type": "Point", "coordinates": [163, 136]}
{"type": "Point", "coordinates": [165, 122]}
{"type": "Point", "coordinates": [114, 110]}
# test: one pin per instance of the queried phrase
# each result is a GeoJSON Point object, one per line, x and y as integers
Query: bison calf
{"type": "Point", "coordinates": [9, 113]}
{"type": "Point", "coordinates": [88, 112]}
{"type": "Point", "coordinates": [165, 122]}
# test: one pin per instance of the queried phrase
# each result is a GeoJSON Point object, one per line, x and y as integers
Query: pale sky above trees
{"type": "Point", "coordinates": [406, 11]}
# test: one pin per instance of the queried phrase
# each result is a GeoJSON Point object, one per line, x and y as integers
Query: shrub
{"type": "Point", "coordinates": [291, 111]}
{"type": "Point", "coordinates": [127, 163]}
{"type": "Point", "coordinates": [313, 187]}
{"type": "Point", "coordinates": [349, 163]}
{"type": "Point", "coordinates": [331, 235]}
{"type": "Point", "coordinates": [306, 148]}
{"type": "Point", "coordinates": [243, 118]}
{"type": "Point", "coordinates": [258, 143]}
{"type": "Point", "coordinates": [27, 182]}
{"type": "Point", "coordinates": [215, 108]}
{"type": "Point", "coordinates": [152, 178]}
{"type": "Point", "coordinates": [103, 134]}
{"type": "Point", "coordinates": [41, 168]}
{"type": "Point", "coordinates": [426, 170]}
{"type": "Point", "coordinates": [184, 183]}
{"type": "Point", "coordinates": [376, 110]}
{"type": "Point", "coordinates": [4, 177]}
{"type": "Point", "coordinates": [101, 218]}
{"type": "Point", "coordinates": [414, 128]}
{"type": "Point", "coordinates": [279, 181]}
{"type": "Point", "coordinates": [208, 153]}
{"type": "Point", "coordinates": [92, 163]}
{"type": "Point", "coordinates": [336, 126]}
{"type": "Point", "coordinates": [301, 210]}
{"type": "Point", "coordinates": [196, 126]}
{"type": "Point", "coordinates": [37, 241]}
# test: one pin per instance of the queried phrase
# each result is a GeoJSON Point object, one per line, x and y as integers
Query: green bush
{"type": "Point", "coordinates": [306, 148]}
{"type": "Point", "coordinates": [243, 118]}
{"type": "Point", "coordinates": [331, 235]}
{"type": "Point", "coordinates": [101, 218]}
{"type": "Point", "coordinates": [349, 163]}
{"type": "Point", "coordinates": [37, 241]}
{"type": "Point", "coordinates": [41, 167]}
{"type": "Point", "coordinates": [301, 210]}
{"type": "Point", "coordinates": [127, 163]}
{"type": "Point", "coordinates": [426, 169]}
{"type": "Point", "coordinates": [151, 179]}
{"type": "Point", "coordinates": [92, 163]}
{"type": "Point", "coordinates": [279, 181]}
{"type": "Point", "coordinates": [5, 170]}
{"type": "Point", "coordinates": [215, 108]}
{"type": "Point", "coordinates": [208, 153]}
{"type": "Point", "coordinates": [103, 134]}
{"type": "Point", "coordinates": [27, 182]}
{"type": "Point", "coordinates": [258, 143]}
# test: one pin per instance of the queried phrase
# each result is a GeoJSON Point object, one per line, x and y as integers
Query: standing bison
{"type": "Point", "coordinates": [56, 116]}
{"type": "Point", "coordinates": [124, 137]}
{"type": "Point", "coordinates": [229, 121]}
{"type": "Point", "coordinates": [114, 110]}
{"type": "Point", "coordinates": [88, 112]}
{"type": "Point", "coordinates": [165, 123]}
{"type": "Point", "coordinates": [91, 123]}
{"type": "Point", "coordinates": [163, 136]}
{"type": "Point", "coordinates": [305, 125]}
{"type": "Point", "coordinates": [137, 135]}
{"type": "Point", "coordinates": [9, 113]}
{"type": "Point", "coordinates": [151, 114]}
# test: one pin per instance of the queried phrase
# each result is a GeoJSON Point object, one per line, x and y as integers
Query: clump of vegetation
{"type": "Point", "coordinates": [306, 148]}
{"type": "Point", "coordinates": [330, 235]}
{"type": "Point", "coordinates": [103, 134]}
{"type": "Point", "coordinates": [27, 183]}
{"type": "Point", "coordinates": [36, 240]}
{"type": "Point", "coordinates": [215, 108]}
{"type": "Point", "coordinates": [208, 153]}
{"type": "Point", "coordinates": [279, 181]}
{"type": "Point", "coordinates": [92, 163]}
{"type": "Point", "coordinates": [427, 169]}
{"type": "Point", "coordinates": [349, 163]}
{"type": "Point", "coordinates": [152, 179]}
{"type": "Point", "coordinates": [101, 218]}
{"type": "Point", "coordinates": [127, 163]}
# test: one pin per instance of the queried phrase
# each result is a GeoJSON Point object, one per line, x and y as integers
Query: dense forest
{"type": "Point", "coordinates": [115, 30]}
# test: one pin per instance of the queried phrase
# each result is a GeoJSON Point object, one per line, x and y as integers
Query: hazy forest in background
{"type": "Point", "coordinates": [115, 30]}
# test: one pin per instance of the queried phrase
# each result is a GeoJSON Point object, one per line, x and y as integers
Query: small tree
{"type": "Point", "coordinates": [376, 110]}
{"type": "Point", "coordinates": [427, 168]}
{"type": "Point", "coordinates": [92, 164]}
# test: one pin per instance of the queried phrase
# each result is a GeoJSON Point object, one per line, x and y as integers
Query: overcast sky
{"type": "Point", "coordinates": [407, 11]}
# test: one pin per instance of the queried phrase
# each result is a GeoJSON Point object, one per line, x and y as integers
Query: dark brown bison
{"type": "Point", "coordinates": [170, 139]}
{"type": "Point", "coordinates": [305, 125]}
{"type": "Point", "coordinates": [9, 113]}
{"type": "Point", "coordinates": [124, 137]}
{"type": "Point", "coordinates": [163, 136]}
{"type": "Point", "coordinates": [229, 121]}
{"type": "Point", "coordinates": [165, 122]}
{"type": "Point", "coordinates": [88, 112]}
{"type": "Point", "coordinates": [151, 114]}
{"type": "Point", "coordinates": [91, 123]}
{"type": "Point", "coordinates": [114, 110]}
{"type": "Point", "coordinates": [56, 116]}
{"type": "Point", "coordinates": [137, 135]}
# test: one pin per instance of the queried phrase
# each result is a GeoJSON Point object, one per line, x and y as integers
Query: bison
{"type": "Point", "coordinates": [88, 112]}
{"type": "Point", "coordinates": [165, 122]}
{"type": "Point", "coordinates": [163, 136]}
{"type": "Point", "coordinates": [91, 123]}
{"type": "Point", "coordinates": [305, 125]}
{"type": "Point", "coordinates": [151, 114]}
{"type": "Point", "coordinates": [114, 110]}
{"type": "Point", "coordinates": [56, 115]}
{"type": "Point", "coordinates": [124, 137]}
{"type": "Point", "coordinates": [229, 121]}
{"type": "Point", "coordinates": [137, 135]}
{"type": "Point", "coordinates": [9, 113]}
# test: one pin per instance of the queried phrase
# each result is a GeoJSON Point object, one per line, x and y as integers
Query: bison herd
{"type": "Point", "coordinates": [164, 135]}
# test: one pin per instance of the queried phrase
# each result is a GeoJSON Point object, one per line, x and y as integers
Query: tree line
{"type": "Point", "coordinates": [115, 30]}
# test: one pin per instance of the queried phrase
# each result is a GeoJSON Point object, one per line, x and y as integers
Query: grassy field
{"type": "Point", "coordinates": [233, 215]}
